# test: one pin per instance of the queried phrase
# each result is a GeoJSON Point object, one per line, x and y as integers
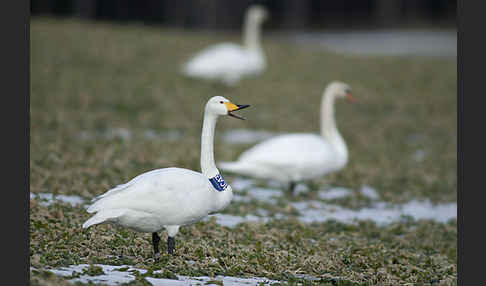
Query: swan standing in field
{"type": "Point", "coordinates": [228, 62]}
{"type": "Point", "coordinates": [296, 157]}
{"type": "Point", "coordinates": [170, 197]}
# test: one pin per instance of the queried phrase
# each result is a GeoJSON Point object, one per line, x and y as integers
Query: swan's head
{"type": "Point", "coordinates": [339, 90]}
{"type": "Point", "coordinates": [257, 14]}
{"type": "Point", "coordinates": [221, 106]}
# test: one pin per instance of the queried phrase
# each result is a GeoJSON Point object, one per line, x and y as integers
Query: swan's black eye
{"type": "Point", "coordinates": [221, 102]}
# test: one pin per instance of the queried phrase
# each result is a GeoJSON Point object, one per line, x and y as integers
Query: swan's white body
{"type": "Point", "coordinates": [162, 198]}
{"type": "Point", "coordinates": [300, 156]}
{"type": "Point", "coordinates": [228, 62]}
{"type": "Point", "coordinates": [288, 158]}
{"type": "Point", "coordinates": [170, 197]}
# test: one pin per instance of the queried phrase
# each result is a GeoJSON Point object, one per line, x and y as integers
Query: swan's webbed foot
{"type": "Point", "coordinates": [155, 243]}
{"type": "Point", "coordinates": [170, 245]}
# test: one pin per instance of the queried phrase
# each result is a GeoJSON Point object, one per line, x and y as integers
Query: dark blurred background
{"type": "Point", "coordinates": [285, 14]}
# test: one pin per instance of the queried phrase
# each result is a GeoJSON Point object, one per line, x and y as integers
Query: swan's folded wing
{"type": "Point", "coordinates": [153, 190]}
{"type": "Point", "coordinates": [122, 187]}
{"type": "Point", "coordinates": [290, 150]}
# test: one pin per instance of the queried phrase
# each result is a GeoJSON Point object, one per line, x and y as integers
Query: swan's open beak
{"type": "Point", "coordinates": [350, 97]}
{"type": "Point", "coordinates": [234, 107]}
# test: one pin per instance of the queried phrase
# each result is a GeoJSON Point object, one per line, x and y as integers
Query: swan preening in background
{"type": "Point", "coordinates": [228, 62]}
{"type": "Point", "coordinates": [170, 197]}
{"type": "Point", "coordinates": [296, 157]}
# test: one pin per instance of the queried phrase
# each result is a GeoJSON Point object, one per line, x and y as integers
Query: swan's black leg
{"type": "Point", "coordinates": [155, 242]}
{"type": "Point", "coordinates": [292, 188]}
{"type": "Point", "coordinates": [170, 245]}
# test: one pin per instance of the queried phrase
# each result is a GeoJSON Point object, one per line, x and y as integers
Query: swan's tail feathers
{"type": "Point", "coordinates": [111, 192]}
{"type": "Point", "coordinates": [187, 69]}
{"type": "Point", "coordinates": [92, 221]}
{"type": "Point", "coordinates": [103, 216]}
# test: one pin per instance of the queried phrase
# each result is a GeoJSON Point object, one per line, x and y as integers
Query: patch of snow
{"type": "Point", "coordinates": [311, 210]}
{"type": "Point", "coordinates": [276, 184]}
{"type": "Point", "coordinates": [264, 195]}
{"type": "Point", "coordinates": [300, 188]}
{"type": "Point", "coordinates": [385, 42]}
{"type": "Point", "coordinates": [369, 192]}
{"type": "Point", "coordinates": [419, 155]}
{"type": "Point", "coordinates": [168, 282]}
{"type": "Point", "coordinates": [232, 220]}
{"type": "Point", "coordinates": [307, 277]}
{"type": "Point", "coordinates": [203, 280]}
{"type": "Point", "coordinates": [427, 210]}
{"type": "Point", "coordinates": [245, 136]}
{"type": "Point", "coordinates": [241, 184]}
{"type": "Point", "coordinates": [48, 199]}
{"type": "Point", "coordinates": [381, 213]}
{"type": "Point", "coordinates": [334, 193]}
{"type": "Point", "coordinates": [112, 276]}
{"type": "Point", "coordinates": [262, 212]}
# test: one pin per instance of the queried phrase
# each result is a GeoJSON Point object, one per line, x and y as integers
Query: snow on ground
{"type": "Point", "coordinates": [419, 155]}
{"type": "Point", "coordinates": [384, 42]}
{"type": "Point", "coordinates": [380, 212]}
{"type": "Point", "coordinates": [113, 276]}
{"type": "Point", "coordinates": [310, 210]}
{"type": "Point", "coordinates": [264, 194]}
{"type": "Point", "coordinates": [239, 184]}
{"type": "Point", "coordinates": [369, 192]}
{"type": "Point", "coordinates": [46, 199]}
{"type": "Point", "coordinates": [334, 193]}
{"type": "Point", "coordinates": [233, 220]}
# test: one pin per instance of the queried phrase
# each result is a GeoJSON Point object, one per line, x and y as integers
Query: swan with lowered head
{"type": "Point", "coordinates": [228, 62]}
{"type": "Point", "coordinates": [291, 158]}
{"type": "Point", "coordinates": [170, 197]}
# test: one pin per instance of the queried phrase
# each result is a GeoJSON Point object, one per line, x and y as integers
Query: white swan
{"type": "Point", "coordinates": [295, 157]}
{"type": "Point", "coordinates": [228, 62]}
{"type": "Point", "coordinates": [170, 197]}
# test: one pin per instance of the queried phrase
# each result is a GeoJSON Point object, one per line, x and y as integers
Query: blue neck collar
{"type": "Point", "coordinates": [218, 183]}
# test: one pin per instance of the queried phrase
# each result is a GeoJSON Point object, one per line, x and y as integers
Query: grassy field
{"type": "Point", "coordinates": [96, 77]}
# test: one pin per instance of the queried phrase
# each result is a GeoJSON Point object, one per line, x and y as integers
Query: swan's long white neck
{"type": "Point", "coordinates": [251, 35]}
{"type": "Point", "coordinates": [208, 167]}
{"type": "Point", "coordinates": [328, 125]}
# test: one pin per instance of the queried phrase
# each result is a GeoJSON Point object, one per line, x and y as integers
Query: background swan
{"type": "Point", "coordinates": [295, 157]}
{"type": "Point", "coordinates": [170, 197]}
{"type": "Point", "coordinates": [228, 62]}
